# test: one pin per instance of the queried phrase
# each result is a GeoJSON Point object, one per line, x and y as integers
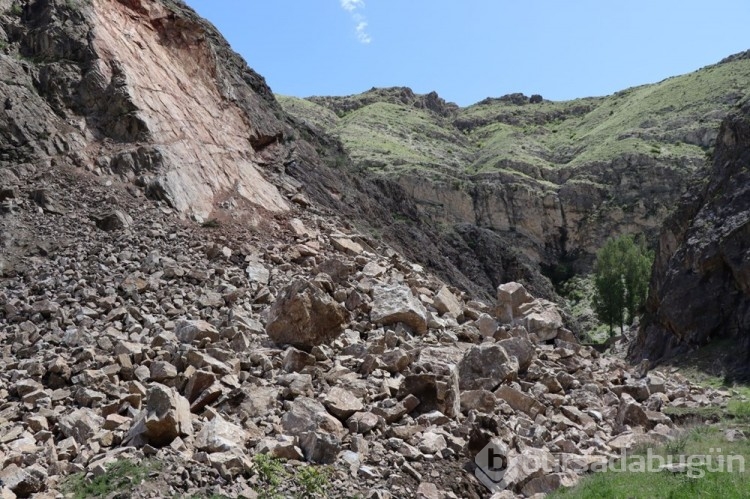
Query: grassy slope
{"type": "Point", "coordinates": [672, 121]}
{"type": "Point", "coordinates": [667, 119]}
{"type": "Point", "coordinates": [702, 441]}
{"type": "Point", "coordinates": [698, 438]}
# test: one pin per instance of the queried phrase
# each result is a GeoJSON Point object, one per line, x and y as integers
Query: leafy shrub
{"type": "Point", "coordinates": [621, 274]}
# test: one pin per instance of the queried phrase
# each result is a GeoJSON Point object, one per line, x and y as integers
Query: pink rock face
{"type": "Point", "coordinates": [204, 138]}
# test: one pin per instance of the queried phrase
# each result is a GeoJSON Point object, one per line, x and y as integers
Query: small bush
{"type": "Point", "coordinates": [271, 473]}
{"type": "Point", "coordinates": [315, 481]}
{"type": "Point", "coordinates": [677, 446]}
{"type": "Point", "coordinates": [120, 475]}
{"type": "Point", "coordinates": [211, 223]}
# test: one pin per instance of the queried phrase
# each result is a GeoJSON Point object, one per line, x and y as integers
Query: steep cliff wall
{"type": "Point", "coordinates": [558, 178]}
{"type": "Point", "coordinates": [700, 288]}
{"type": "Point", "coordinates": [140, 89]}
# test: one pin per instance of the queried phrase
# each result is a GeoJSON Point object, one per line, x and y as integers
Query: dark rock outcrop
{"type": "Point", "coordinates": [700, 287]}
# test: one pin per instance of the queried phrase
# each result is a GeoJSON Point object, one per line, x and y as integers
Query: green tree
{"type": "Point", "coordinates": [621, 274]}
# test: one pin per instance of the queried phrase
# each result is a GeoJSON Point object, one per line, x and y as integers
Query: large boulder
{"type": "Point", "coordinates": [542, 318]}
{"type": "Point", "coordinates": [219, 435]}
{"type": "Point", "coordinates": [308, 415]}
{"type": "Point", "coordinates": [510, 297]}
{"type": "Point", "coordinates": [434, 379]}
{"type": "Point", "coordinates": [166, 417]}
{"type": "Point", "coordinates": [485, 366]}
{"type": "Point", "coordinates": [396, 303]}
{"type": "Point", "coordinates": [305, 316]}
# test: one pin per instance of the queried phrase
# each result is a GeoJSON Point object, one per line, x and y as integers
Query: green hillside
{"type": "Point", "coordinates": [391, 131]}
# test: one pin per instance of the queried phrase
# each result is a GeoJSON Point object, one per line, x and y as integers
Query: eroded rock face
{"type": "Point", "coordinates": [700, 287]}
{"type": "Point", "coordinates": [192, 123]}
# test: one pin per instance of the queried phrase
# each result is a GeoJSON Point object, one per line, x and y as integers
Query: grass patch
{"type": "Point", "coordinates": [690, 414]}
{"type": "Point", "coordinates": [211, 223]}
{"type": "Point", "coordinates": [120, 476]}
{"type": "Point", "coordinates": [708, 480]}
{"type": "Point", "coordinates": [739, 410]}
{"type": "Point", "coordinates": [313, 481]}
{"type": "Point", "coordinates": [705, 481]}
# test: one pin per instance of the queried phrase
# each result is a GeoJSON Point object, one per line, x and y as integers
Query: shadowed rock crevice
{"type": "Point", "coordinates": [700, 287]}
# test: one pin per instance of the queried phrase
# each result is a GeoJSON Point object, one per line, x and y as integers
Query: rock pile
{"type": "Point", "coordinates": [203, 348]}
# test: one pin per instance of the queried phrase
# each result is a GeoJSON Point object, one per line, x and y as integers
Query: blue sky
{"type": "Point", "coordinates": [467, 50]}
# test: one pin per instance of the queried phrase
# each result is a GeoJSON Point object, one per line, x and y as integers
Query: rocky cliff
{"type": "Point", "coordinates": [556, 178]}
{"type": "Point", "coordinates": [148, 94]}
{"type": "Point", "coordinates": [138, 89]}
{"type": "Point", "coordinates": [700, 288]}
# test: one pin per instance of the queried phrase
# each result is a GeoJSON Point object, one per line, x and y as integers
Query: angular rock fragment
{"type": "Point", "coordinates": [165, 417]}
{"type": "Point", "coordinates": [81, 424]}
{"type": "Point", "coordinates": [219, 435]}
{"type": "Point", "coordinates": [190, 331]}
{"type": "Point", "coordinates": [510, 297]}
{"type": "Point", "coordinates": [115, 220]}
{"type": "Point", "coordinates": [396, 303]}
{"type": "Point", "coordinates": [304, 316]}
{"type": "Point", "coordinates": [447, 303]}
{"type": "Point", "coordinates": [308, 415]}
{"type": "Point", "coordinates": [319, 447]}
{"type": "Point", "coordinates": [485, 366]}
{"type": "Point", "coordinates": [24, 482]}
{"type": "Point", "coordinates": [434, 380]}
{"type": "Point", "coordinates": [342, 403]}
{"type": "Point", "coordinates": [520, 348]}
{"type": "Point", "coordinates": [542, 319]}
{"type": "Point", "coordinates": [520, 401]}
{"type": "Point", "coordinates": [362, 422]}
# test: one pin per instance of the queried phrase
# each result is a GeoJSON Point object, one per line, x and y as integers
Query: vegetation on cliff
{"type": "Point", "coordinates": [621, 274]}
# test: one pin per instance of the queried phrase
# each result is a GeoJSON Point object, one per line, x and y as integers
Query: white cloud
{"type": "Point", "coordinates": [362, 34]}
{"type": "Point", "coordinates": [352, 6]}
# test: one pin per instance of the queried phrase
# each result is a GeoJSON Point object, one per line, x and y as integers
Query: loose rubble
{"type": "Point", "coordinates": [155, 339]}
